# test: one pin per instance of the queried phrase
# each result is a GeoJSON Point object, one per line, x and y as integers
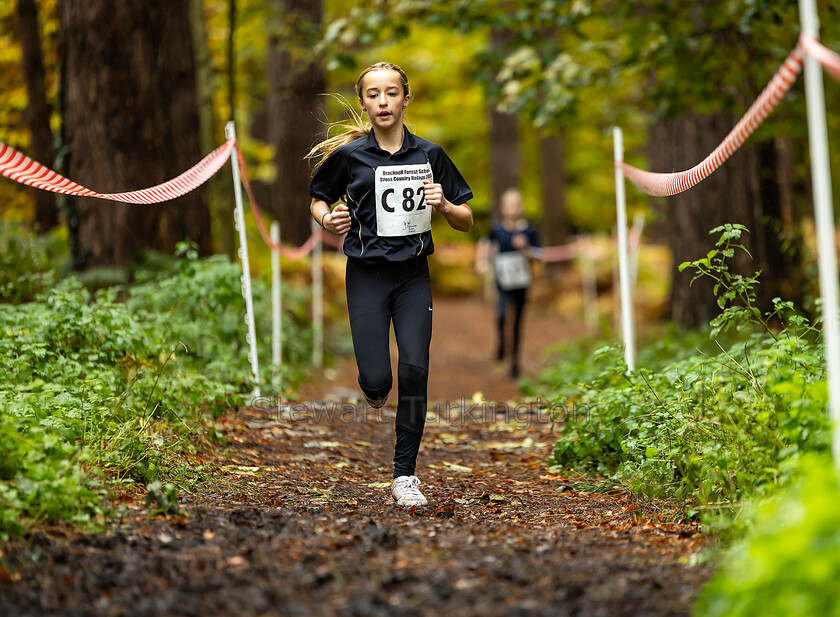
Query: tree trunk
{"type": "Point", "coordinates": [505, 156]}
{"type": "Point", "coordinates": [743, 190]}
{"type": "Point", "coordinates": [220, 193]}
{"type": "Point", "coordinates": [555, 228]}
{"type": "Point", "coordinates": [37, 112]}
{"type": "Point", "coordinates": [294, 108]}
{"type": "Point", "coordinates": [131, 122]}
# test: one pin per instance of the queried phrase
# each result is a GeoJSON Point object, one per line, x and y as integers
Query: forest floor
{"type": "Point", "coordinates": [300, 521]}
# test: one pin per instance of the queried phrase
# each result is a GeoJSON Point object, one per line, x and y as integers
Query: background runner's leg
{"type": "Point", "coordinates": [518, 296]}
{"type": "Point", "coordinates": [501, 310]}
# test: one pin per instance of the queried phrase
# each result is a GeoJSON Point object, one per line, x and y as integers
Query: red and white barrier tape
{"type": "Point", "coordinates": [665, 184]}
{"type": "Point", "coordinates": [585, 248]}
{"type": "Point", "coordinates": [296, 253]}
{"type": "Point", "coordinates": [562, 252]}
{"type": "Point", "coordinates": [24, 170]}
{"type": "Point", "coordinates": [18, 167]}
{"type": "Point", "coordinates": [829, 60]}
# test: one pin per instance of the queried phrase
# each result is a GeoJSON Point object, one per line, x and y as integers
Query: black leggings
{"type": "Point", "coordinates": [517, 297]}
{"type": "Point", "coordinates": [377, 294]}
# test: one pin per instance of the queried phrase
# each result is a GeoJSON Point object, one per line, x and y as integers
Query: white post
{"type": "Point", "coordinates": [317, 302]}
{"type": "Point", "coordinates": [239, 220]}
{"type": "Point", "coordinates": [824, 217]}
{"type": "Point", "coordinates": [276, 309]}
{"type": "Point", "coordinates": [623, 266]}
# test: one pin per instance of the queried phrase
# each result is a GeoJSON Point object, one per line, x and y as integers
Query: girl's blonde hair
{"type": "Point", "coordinates": [356, 127]}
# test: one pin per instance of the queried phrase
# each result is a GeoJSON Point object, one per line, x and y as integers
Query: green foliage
{"type": "Point", "coordinates": [735, 293]}
{"type": "Point", "coordinates": [162, 499]}
{"type": "Point", "coordinates": [118, 385]}
{"type": "Point", "coordinates": [709, 429]}
{"type": "Point", "coordinates": [206, 294]}
{"type": "Point", "coordinates": [789, 563]}
{"type": "Point", "coordinates": [27, 262]}
{"type": "Point", "coordinates": [585, 360]}
{"type": "Point", "coordinates": [576, 69]}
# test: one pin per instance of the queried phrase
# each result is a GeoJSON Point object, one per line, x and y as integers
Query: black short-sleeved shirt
{"type": "Point", "coordinates": [350, 171]}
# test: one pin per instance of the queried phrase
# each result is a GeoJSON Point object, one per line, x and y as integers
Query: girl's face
{"type": "Point", "coordinates": [382, 98]}
{"type": "Point", "coordinates": [511, 206]}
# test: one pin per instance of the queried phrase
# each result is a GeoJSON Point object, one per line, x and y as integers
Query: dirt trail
{"type": "Point", "coordinates": [303, 523]}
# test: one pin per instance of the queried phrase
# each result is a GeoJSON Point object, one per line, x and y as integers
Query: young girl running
{"type": "Point", "coordinates": [514, 242]}
{"type": "Point", "coordinates": [390, 180]}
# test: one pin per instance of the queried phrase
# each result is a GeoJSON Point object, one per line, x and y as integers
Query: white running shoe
{"type": "Point", "coordinates": [406, 492]}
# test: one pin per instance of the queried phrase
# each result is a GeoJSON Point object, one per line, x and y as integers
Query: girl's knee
{"type": "Point", "coordinates": [376, 385]}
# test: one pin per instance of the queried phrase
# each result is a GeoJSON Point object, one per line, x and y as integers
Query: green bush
{"type": "Point", "coordinates": [205, 298]}
{"type": "Point", "coordinates": [707, 428]}
{"type": "Point", "coordinates": [789, 563]}
{"type": "Point", "coordinates": [27, 262]}
{"type": "Point", "coordinates": [116, 385]}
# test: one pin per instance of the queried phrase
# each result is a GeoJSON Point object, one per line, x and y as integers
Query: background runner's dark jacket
{"type": "Point", "coordinates": [502, 237]}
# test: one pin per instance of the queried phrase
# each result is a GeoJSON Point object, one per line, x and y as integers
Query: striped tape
{"type": "Point", "coordinates": [20, 168]}
{"type": "Point", "coordinates": [666, 184]}
{"type": "Point", "coordinates": [293, 253]}
{"type": "Point", "coordinates": [829, 60]}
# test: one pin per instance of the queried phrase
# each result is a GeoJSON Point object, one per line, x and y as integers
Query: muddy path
{"type": "Point", "coordinates": [301, 523]}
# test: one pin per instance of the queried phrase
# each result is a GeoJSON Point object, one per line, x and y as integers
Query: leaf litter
{"type": "Point", "coordinates": [302, 523]}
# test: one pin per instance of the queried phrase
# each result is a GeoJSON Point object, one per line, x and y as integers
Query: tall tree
{"type": "Point", "coordinates": [746, 189]}
{"type": "Point", "coordinates": [505, 156]}
{"type": "Point", "coordinates": [131, 121]}
{"type": "Point", "coordinates": [555, 227]}
{"type": "Point", "coordinates": [294, 111]}
{"type": "Point", "coordinates": [37, 113]}
{"type": "Point", "coordinates": [741, 191]}
{"type": "Point", "coordinates": [219, 186]}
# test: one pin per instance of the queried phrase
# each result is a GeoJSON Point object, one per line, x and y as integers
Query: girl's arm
{"type": "Point", "coordinates": [336, 221]}
{"type": "Point", "coordinates": [482, 256]}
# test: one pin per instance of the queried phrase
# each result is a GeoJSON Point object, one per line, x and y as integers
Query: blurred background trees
{"type": "Point", "coordinates": [124, 95]}
{"type": "Point", "coordinates": [130, 120]}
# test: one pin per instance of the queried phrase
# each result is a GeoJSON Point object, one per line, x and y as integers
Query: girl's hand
{"type": "Point", "coordinates": [435, 198]}
{"type": "Point", "coordinates": [519, 241]}
{"type": "Point", "coordinates": [459, 216]}
{"type": "Point", "coordinates": [338, 221]}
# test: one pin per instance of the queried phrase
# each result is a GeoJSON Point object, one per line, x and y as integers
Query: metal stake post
{"type": "Point", "coordinates": [824, 217]}
{"type": "Point", "coordinates": [276, 309]}
{"type": "Point", "coordinates": [623, 262]}
{"type": "Point", "coordinates": [239, 219]}
{"type": "Point", "coordinates": [317, 300]}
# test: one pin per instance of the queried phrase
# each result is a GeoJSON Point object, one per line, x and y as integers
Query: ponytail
{"type": "Point", "coordinates": [350, 130]}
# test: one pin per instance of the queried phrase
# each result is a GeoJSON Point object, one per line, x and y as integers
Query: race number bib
{"type": "Point", "coordinates": [401, 208]}
{"type": "Point", "coordinates": [512, 271]}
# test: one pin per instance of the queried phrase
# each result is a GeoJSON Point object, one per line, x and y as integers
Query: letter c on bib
{"type": "Point", "coordinates": [385, 205]}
